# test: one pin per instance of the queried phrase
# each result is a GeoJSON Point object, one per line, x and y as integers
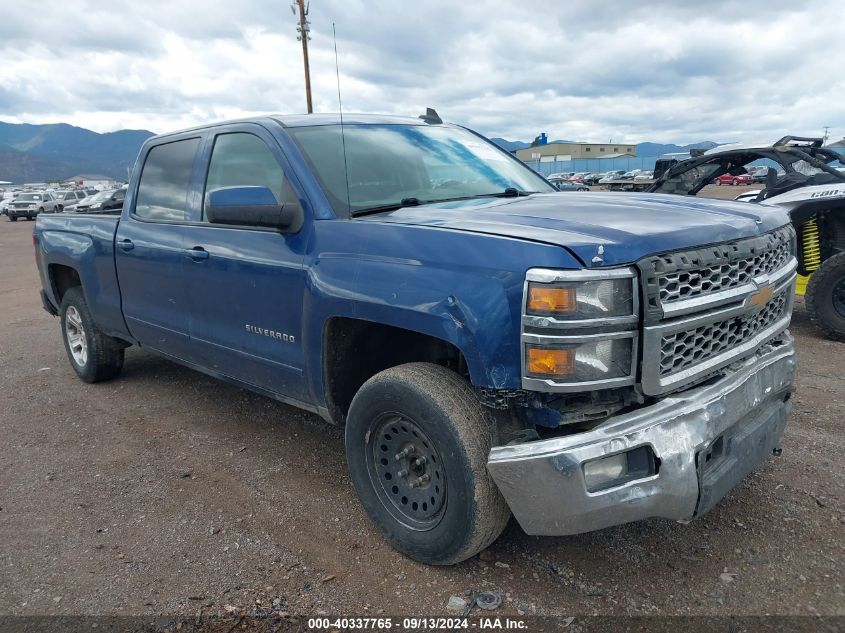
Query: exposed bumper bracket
{"type": "Point", "coordinates": [744, 412]}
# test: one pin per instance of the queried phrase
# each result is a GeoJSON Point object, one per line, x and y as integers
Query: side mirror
{"type": "Point", "coordinates": [252, 206]}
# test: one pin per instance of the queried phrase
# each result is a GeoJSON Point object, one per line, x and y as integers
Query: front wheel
{"type": "Point", "coordinates": [826, 297]}
{"type": "Point", "coordinates": [13, 218]}
{"type": "Point", "coordinates": [417, 441]}
{"type": "Point", "coordinates": [93, 355]}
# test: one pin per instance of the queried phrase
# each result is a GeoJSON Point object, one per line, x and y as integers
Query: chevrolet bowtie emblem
{"type": "Point", "coordinates": [762, 296]}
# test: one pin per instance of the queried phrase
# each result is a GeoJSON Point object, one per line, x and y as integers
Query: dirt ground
{"type": "Point", "coordinates": [167, 492]}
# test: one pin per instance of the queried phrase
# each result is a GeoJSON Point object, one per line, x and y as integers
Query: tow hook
{"type": "Point", "coordinates": [777, 451]}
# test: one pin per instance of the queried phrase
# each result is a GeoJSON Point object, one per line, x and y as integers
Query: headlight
{"type": "Point", "coordinates": [596, 299]}
{"type": "Point", "coordinates": [579, 329]}
{"type": "Point", "coordinates": [583, 359]}
{"type": "Point", "coordinates": [96, 205]}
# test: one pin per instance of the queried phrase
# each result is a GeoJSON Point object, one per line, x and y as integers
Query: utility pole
{"type": "Point", "coordinates": [304, 29]}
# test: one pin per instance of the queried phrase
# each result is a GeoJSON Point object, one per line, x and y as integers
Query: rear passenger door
{"type": "Point", "coordinates": [246, 284]}
{"type": "Point", "coordinates": [150, 248]}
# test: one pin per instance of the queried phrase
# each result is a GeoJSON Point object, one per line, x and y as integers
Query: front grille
{"type": "Point", "coordinates": [735, 271]}
{"type": "Point", "coordinates": [675, 277]}
{"type": "Point", "coordinates": [681, 350]}
{"type": "Point", "coordinates": [698, 311]}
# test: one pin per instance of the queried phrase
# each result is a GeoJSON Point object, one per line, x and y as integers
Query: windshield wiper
{"type": "Point", "coordinates": [510, 192]}
{"type": "Point", "coordinates": [404, 202]}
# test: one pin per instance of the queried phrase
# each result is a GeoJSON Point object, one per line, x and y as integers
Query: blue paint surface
{"type": "Point", "coordinates": [454, 271]}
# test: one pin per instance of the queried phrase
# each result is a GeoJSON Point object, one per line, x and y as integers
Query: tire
{"type": "Point", "coordinates": [58, 209]}
{"type": "Point", "coordinates": [825, 298]}
{"type": "Point", "coordinates": [94, 356]}
{"type": "Point", "coordinates": [458, 510]}
{"type": "Point", "coordinates": [13, 218]}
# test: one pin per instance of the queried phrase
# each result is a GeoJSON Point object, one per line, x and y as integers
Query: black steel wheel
{"type": "Point", "coordinates": [417, 441]}
{"type": "Point", "coordinates": [406, 471]}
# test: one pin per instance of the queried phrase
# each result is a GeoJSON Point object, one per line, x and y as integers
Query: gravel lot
{"type": "Point", "coordinates": [167, 492]}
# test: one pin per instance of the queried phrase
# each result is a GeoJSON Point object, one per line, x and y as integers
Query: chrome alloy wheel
{"type": "Point", "coordinates": [75, 334]}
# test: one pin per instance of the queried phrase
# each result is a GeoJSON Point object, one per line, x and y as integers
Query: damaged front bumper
{"type": "Point", "coordinates": [704, 441]}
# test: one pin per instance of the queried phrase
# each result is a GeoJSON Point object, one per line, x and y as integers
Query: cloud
{"type": "Point", "coordinates": [660, 71]}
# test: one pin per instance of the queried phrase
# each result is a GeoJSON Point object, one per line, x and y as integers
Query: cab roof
{"type": "Point", "coordinates": [304, 120]}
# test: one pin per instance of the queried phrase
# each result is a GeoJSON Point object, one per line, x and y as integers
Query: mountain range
{"type": "Point", "coordinates": [38, 153]}
{"type": "Point", "coordinates": [646, 150]}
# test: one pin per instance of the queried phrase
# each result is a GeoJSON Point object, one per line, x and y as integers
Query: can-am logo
{"type": "Point", "coordinates": [263, 331]}
{"type": "Point", "coordinates": [827, 193]}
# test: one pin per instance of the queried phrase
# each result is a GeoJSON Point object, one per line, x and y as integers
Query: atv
{"type": "Point", "coordinates": [803, 177]}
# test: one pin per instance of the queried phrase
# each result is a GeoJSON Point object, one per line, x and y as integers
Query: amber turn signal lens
{"type": "Point", "coordinates": [544, 299]}
{"type": "Point", "coordinates": [551, 362]}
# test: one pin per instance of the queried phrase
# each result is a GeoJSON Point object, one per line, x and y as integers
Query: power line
{"type": "Point", "coordinates": [304, 29]}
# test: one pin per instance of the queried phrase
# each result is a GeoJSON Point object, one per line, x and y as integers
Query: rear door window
{"type": "Point", "coordinates": [165, 180]}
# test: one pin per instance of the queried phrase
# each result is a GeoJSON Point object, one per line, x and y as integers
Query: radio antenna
{"type": "Point", "coordinates": [340, 109]}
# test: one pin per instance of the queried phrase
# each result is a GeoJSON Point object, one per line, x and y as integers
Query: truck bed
{"type": "Point", "coordinates": [81, 242]}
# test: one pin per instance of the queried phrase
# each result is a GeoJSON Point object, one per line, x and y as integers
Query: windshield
{"type": "Point", "coordinates": [389, 164]}
{"type": "Point", "coordinates": [29, 196]}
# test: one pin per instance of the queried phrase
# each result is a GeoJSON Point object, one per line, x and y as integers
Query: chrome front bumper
{"type": "Point", "coordinates": [746, 411]}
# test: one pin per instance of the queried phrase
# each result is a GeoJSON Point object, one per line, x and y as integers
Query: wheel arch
{"type": "Point", "coordinates": [355, 349]}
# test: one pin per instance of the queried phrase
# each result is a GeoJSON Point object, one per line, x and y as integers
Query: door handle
{"type": "Point", "coordinates": [197, 253]}
{"type": "Point", "coordinates": [126, 244]}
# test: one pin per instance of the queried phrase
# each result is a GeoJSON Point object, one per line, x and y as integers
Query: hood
{"type": "Point", "coordinates": [625, 227]}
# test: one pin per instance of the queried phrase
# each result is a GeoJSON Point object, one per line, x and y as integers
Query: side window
{"type": "Point", "coordinates": [241, 160]}
{"type": "Point", "coordinates": [163, 190]}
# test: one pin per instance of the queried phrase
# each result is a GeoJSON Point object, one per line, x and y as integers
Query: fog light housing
{"type": "Point", "coordinates": [615, 470]}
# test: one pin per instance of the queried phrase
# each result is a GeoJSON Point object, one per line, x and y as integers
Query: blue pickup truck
{"type": "Point", "coordinates": [491, 346]}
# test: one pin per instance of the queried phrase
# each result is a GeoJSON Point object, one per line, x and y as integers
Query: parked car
{"type": "Point", "coordinates": [644, 175]}
{"type": "Point", "coordinates": [568, 185]}
{"type": "Point", "coordinates": [487, 345]}
{"type": "Point", "coordinates": [612, 175]}
{"type": "Point", "coordinates": [759, 175]}
{"type": "Point", "coordinates": [29, 205]}
{"type": "Point", "coordinates": [593, 179]}
{"type": "Point", "coordinates": [102, 202]}
{"type": "Point", "coordinates": [8, 197]}
{"type": "Point", "coordinates": [68, 199]}
{"type": "Point", "coordinates": [730, 179]}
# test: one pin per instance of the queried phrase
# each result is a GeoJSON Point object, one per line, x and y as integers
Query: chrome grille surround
{"type": "Point", "coordinates": [746, 302]}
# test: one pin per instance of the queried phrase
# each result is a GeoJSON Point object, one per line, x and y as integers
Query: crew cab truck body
{"type": "Point", "coordinates": [491, 345]}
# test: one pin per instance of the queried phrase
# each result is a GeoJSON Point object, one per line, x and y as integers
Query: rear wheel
{"type": "Point", "coordinates": [93, 355]}
{"type": "Point", "coordinates": [826, 297]}
{"type": "Point", "coordinates": [417, 441]}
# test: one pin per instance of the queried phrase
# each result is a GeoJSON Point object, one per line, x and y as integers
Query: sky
{"type": "Point", "coordinates": [655, 70]}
